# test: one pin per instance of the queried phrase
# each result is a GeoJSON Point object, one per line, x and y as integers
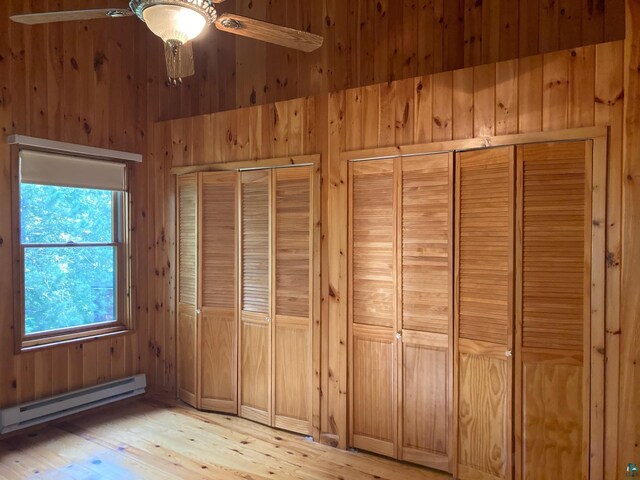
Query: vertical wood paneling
{"type": "Point", "coordinates": [423, 108]}
{"type": "Point", "coordinates": [369, 42]}
{"type": "Point", "coordinates": [530, 93]}
{"type": "Point", "coordinates": [581, 86]}
{"type": "Point", "coordinates": [350, 121]}
{"type": "Point", "coordinates": [334, 416]}
{"type": "Point", "coordinates": [609, 111]}
{"type": "Point", "coordinates": [55, 84]}
{"type": "Point", "coordinates": [463, 103]}
{"type": "Point", "coordinates": [555, 99]}
{"type": "Point", "coordinates": [473, 31]}
{"type": "Point", "coordinates": [507, 107]}
{"type": "Point", "coordinates": [442, 106]}
{"type": "Point", "coordinates": [629, 424]}
{"type": "Point", "coordinates": [484, 100]}
{"type": "Point", "coordinates": [509, 18]}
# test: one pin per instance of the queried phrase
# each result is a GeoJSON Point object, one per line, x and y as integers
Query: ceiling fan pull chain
{"type": "Point", "coordinates": [179, 60]}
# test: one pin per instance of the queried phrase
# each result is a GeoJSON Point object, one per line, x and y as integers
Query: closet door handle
{"type": "Point", "coordinates": [268, 319]}
{"type": "Point", "coordinates": [508, 353]}
{"type": "Point", "coordinates": [399, 335]}
{"type": "Point", "coordinates": [198, 311]}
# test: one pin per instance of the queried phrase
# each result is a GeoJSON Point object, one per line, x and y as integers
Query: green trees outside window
{"type": "Point", "coordinates": [70, 276]}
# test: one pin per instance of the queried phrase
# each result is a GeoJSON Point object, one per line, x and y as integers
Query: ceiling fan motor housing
{"type": "Point", "coordinates": [205, 8]}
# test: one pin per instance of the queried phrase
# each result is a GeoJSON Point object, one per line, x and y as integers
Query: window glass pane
{"type": "Point", "coordinates": [50, 214]}
{"type": "Point", "coordinates": [68, 287]}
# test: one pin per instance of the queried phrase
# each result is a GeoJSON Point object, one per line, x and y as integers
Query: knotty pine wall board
{"type": "Point", "coordinates": [72, 82]}
{"type": "Point", "coordinates": [368, 42]}
{"type": "Point", "coordinates": [566, 89]}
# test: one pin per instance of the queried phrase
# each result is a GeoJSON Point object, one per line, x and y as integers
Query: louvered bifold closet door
{"type": "Point", "coordinates": [292, 330]}
{"type": "Point", "coordinates": [553, 372]}
{"type": "Point", "coordinates": [255, 300]}
{"type": "Point", "coordinates": [485, 183]}
{"type": "Point", "coordinates": [425, 367]}
{"type": "Point", "coordinates": [217, 321]}
{"type": "Point", "coordinates": [372, 306]}
{"type": "Point", "coordinates": [187, 287]}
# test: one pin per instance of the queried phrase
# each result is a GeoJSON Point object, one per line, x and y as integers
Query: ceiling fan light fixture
{"type": "Point", "coordinates": [177, 20]}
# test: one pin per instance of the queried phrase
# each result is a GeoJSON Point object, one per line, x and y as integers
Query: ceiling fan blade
{"type": "Point", "coordinates": [179, 58]}
{"type": "Point", "coordinates": [269, 32]}
{"type": "Point", "coordinates": [70, 15]}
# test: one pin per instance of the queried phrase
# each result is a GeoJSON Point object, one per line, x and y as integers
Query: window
{"type": "Point", "coordinates": [72, 248]}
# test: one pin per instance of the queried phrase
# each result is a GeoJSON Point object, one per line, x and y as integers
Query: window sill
{"type": "Point", "coordinates": [52, 341]}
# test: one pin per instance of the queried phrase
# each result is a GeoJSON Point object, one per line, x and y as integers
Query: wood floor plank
{"type": "Point", "coordinates": [162, 439]}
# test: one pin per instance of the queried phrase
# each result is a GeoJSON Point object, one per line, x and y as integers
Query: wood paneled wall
{"type": "Point", "coordinates": [629, 327]}
{"type": "Point", "coordinates": [566, 89]}
{"type": "Point", "coordinates": [369, 42]}
{"type": "Point", "coordinates": [277, 130]}
{"type": "Point", "coordinates": [75, 83]}
{"type": "Point", "coordinates": [91, 83]}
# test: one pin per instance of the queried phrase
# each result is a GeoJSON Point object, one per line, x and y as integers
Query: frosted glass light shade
{"type": "Point", "coordinates": [172, 22]}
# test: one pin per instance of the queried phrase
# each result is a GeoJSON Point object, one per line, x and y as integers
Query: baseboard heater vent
{"type": "Point", "coordinates": [47, 409]}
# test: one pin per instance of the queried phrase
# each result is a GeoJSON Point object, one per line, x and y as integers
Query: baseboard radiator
{"type": "Point", "coordinates": [47, 409]}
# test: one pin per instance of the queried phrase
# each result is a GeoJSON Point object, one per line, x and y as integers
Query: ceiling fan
{"type": "Point", "coordinates": [177, 22]}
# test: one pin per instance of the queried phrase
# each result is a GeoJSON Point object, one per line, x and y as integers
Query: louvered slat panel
{"type": "Point", "coordinates": [218, 240]}
{"type": "Point", "coordinates": [553, 248]}
{"type": "Point", "coordinates": [217, 322]}
{"type": "Point", "coordinates": [255, 242]}
{"type": "Point", "coordinates": [187, 239]}
{"type": "Point", "coordinates": [425, 243]}
{"type": "Point", "coordinates": [484, 245]}
{"type": "Point", "coordinates": [373, 246]}
{"type": "Point", "coordinates": [292, 241]}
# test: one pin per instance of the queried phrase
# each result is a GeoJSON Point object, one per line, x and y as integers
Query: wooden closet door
{"type": "Point", "coordinates": [553, 369]}
{"type": "Point", "coordinates": [255, 322]}
{"type": "Point", "coordinates": [293, 346]}
{"type": "Point", "coordinates": [217, 345]}
{"type": "Point", "coordinates": [484, 315]}
{"type": "Point", "coordinates": [426, 355]}
{"type": "Point", "coordinates": [372, 306]}
{"type": "Point", "coordinates": [187, 288]}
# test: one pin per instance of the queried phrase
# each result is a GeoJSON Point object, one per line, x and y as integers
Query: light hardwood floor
{"type": "Point", "coordinates": [160, 439]}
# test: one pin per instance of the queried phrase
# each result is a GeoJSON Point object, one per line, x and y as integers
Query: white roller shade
{"type": "Point", "coordinates": [65, 170]}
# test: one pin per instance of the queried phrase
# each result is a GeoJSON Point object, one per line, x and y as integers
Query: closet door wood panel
{"type": "Point", "coordinates": [425, 367]}
{"type": "Point", "coordinates": [372, 300]}
{"type": "Point", "coordinates": [553, 374]}
{"type": "Point", "coordinates": [484, 314]}
{"type": "Point", "coordinates": [425, 423]}
{"type": "Point", "coordinates": [293, 348]}
{"type": "Point", "coordinates": [255, 322]}
{"type": "Point", "coordinates": [187, 287]}
{"type": "Point", "coordinates": [218, 327]}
